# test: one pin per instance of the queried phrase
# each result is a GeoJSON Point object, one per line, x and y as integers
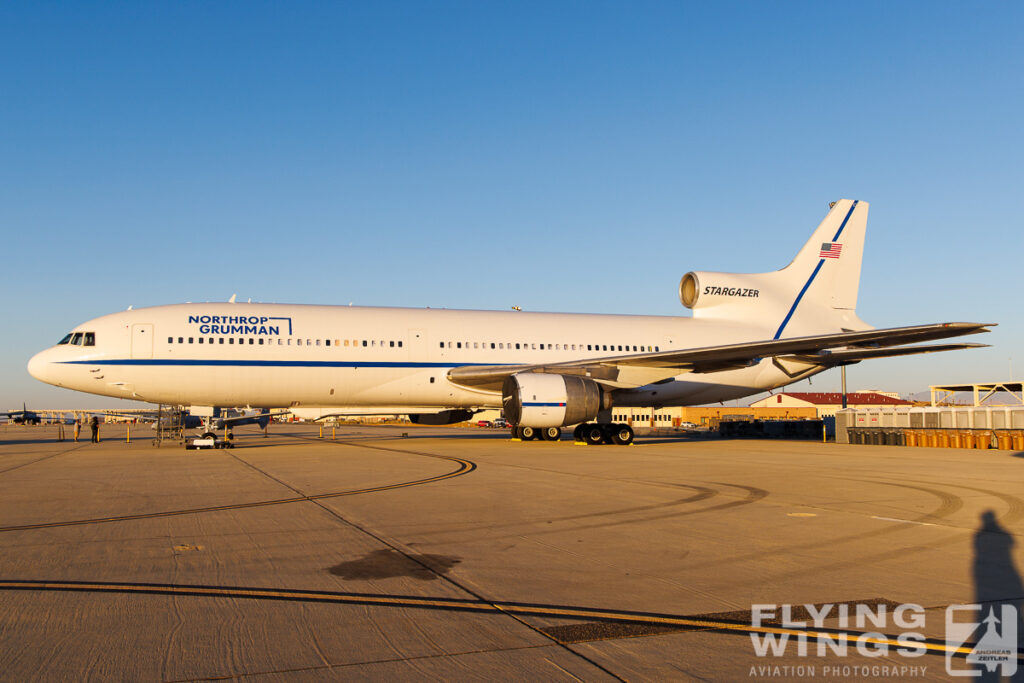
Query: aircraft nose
{"type": "Point", "coordinates": [40, 368]}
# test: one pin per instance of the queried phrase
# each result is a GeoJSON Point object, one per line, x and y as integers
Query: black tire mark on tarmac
{"type": "Point", "coordinates": [948, 504]}
{"type": "Point", "coordinates": [45, 457]}
{"type": "Point", "coordinates": [465, 467]}
{"type": "Point", "coordinates": [441, 576]}
{"type": "Point", "coordinates": [719, 623]}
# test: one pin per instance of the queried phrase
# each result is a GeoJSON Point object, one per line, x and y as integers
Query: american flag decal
{"type": "Point", "coordinates": [830, 250]}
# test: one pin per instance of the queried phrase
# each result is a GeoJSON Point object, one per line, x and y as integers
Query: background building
{"type": "Point", "coordinates": [826, 403]}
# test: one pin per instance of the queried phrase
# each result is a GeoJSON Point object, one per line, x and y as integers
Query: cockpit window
{"type": "Point", "coordinates": [90, 339]}
{"type": "Point", "coordinates": [77, 339]}
{"type": "Point", "coordinates": [65, 340]}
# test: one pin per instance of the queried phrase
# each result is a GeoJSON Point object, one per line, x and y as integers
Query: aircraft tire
{"type": "Point", "coordinates": [577, 434]}
{"type": "Point", "coordinates": [551, 434]}
{"type": "Point", "coordinates": [621, 435]}
{"type": "Point", "coordinates": [527, 433]}
{"type": "Point", "coordinates": [593, 435]}
{"type": "Point", "coordinates": [208, 435]}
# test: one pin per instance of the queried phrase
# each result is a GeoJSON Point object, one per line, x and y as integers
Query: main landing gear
{"type": "Point", "coordinates": [591, 433]}
{"type": "Point", "coordinates": [539, 433]}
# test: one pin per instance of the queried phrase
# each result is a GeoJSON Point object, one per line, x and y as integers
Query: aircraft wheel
{"type": "Point", "coordinates": [622, 435]}
{"type": "Point", "coordinates": [593, 434]}
{"type": "Point", "coordinates": [208, 435]}
{"type": "Point", "coordinates": [551, 434]}
{"type": "Point", "coordinates": [577, 434]}
{"type": "Point", "coordinates": [527, 433]}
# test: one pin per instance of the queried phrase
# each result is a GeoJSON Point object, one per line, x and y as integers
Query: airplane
{"type": "Point", "coordinates": [748, 333]}
{"type": "Point", "coordinates": [23, 416]}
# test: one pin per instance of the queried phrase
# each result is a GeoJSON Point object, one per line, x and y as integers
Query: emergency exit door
{"type": "Point", "coordinates": [142, 340]}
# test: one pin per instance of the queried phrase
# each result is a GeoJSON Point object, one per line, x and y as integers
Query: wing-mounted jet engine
{"type": "Point", "coordinates": [538, 404]}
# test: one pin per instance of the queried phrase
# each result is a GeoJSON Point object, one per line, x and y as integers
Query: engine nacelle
{"type": "Point", "coordinates": [536, 399]}
{"type": "Point", "coordinates": [699, 290]}
{"type": "Point", "coordinates": [445, 417]}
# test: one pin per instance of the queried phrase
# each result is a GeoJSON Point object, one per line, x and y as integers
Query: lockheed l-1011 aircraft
{"type": "Point", "coordinates": [748, 333]}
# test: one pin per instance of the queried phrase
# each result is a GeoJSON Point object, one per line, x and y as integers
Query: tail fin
{"type": "Point", "coordinates": [815, 293]}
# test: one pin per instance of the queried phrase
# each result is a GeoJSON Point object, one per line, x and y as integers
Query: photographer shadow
{"type": "Point", "coordinates": [997, 583]}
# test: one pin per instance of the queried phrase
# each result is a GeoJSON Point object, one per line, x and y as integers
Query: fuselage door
{"type": "Point", "coordinates": [142, 340]}
{"type": "Point", "coordinates": [417, 345]}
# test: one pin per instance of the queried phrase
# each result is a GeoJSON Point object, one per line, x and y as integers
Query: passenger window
{"type": "Point", "coordinates": [541, 347]}
{"type": "Point", "coordinates": [373, 342]}
{"type": "Point", "coordinates": [399, 343]}
{"type": "Point", "coordinates": [231, 340]}
{"type": "Point", "coordinates": [200, 340]}
{"type": "Point", "coordinates": [220, 340]}
{"type": "Point", "coordinates": [391, 344]}
{"type": "Point", "coordinates": [657, 348]}
{"type": "Point", "coordinates": [65, 340]}
{"type": "Point", "coordinates": [620, 347]}
{"type": "Point", "coordinates": [170, 340]}
{"type": "Point", "coordinates": [181, 340]}
{"type": "Point", "coordinates": [458, 344]}
{"type": "Point", "coordinates": [190, 340]}
{"type": "Point", "coordinates": [299, 342]}
{"type": "Point", "coordinates": [327, 342]}
{"type": "Point", "coordinates": [492, 345]}
{"type": "Point", "coordinates": [241, 340]}
{"type": "Point", "coordinates": [309, 342]}
{"type": "Point", "coordinates": [476, 345]}
{"type": "Point", "coordinates": [90, 339]}
{"type": "Point", "coordinates": [517, 345]}
{"type": "Point", "coordinates": [588, 347]}
{"type": "Point", "coordinates": [364, 342]}
{"type": "Point", "coordinates": [261, 341]}
{"type": "Point", "coordinates": [318, 342]}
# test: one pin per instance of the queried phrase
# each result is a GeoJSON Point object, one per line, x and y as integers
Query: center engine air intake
{"type": "Point", "coordinates": [702, 290]}
{"type": "Point", "coordinates": [535, 399]}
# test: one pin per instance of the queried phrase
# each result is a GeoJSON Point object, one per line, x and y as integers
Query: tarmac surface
{"type": "Point", "coordinates": [458, 554]}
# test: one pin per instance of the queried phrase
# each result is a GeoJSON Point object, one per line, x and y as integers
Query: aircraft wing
{"type": "Point", "coordinates": [645, 368]}
{"type": "Point", "coordinates": [847, 356]}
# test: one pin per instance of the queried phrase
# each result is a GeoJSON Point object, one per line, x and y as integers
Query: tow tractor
{"type": "Point", "coordinates": [210, 440]}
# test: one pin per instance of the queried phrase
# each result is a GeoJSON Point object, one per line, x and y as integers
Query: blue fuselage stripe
{"type": "Point", "coordinates": [821, 262]}
{"type": "Point", "coordinates": [535, 404]}
{"type": "Point", "coordinates": [267, 363]}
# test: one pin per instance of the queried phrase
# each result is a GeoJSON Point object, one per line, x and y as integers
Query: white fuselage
{"type": "Point", "coordinates": [278, 355]}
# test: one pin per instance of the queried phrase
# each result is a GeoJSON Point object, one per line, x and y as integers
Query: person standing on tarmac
{"type": "Point", "coordinates": [94, 424]}
{"type": "Point", "coordinates": [78, 427]}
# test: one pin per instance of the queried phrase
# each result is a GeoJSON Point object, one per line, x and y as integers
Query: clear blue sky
{"type": "Point", "coordinates": [566, 156]}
